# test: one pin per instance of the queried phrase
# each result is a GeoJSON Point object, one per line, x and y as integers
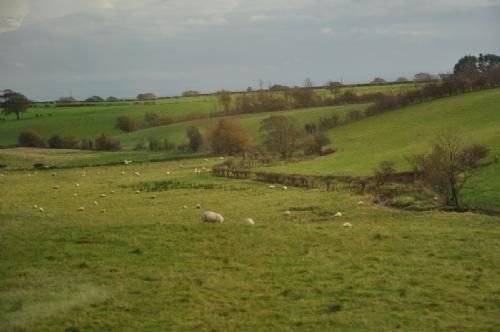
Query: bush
{"type": "Point", "coordinates": [154, 120]}
{"type": "Point", "coordinates": [57, 141]}
{"type": "Point", "coordinates": [86, 144]}
{"type": "Point", "coordinates": [105, 142]}
{"type": "Point", "coordinates": [228, 136]}
{"type": "Point", "coordinates": [30, 138]}
{"type": "Point", "coordinates": [156, 144]}
{"type": "Point", "coordinates": [195, 138]}
{"type": "Point", "coordinates": [126, 123]}
{"type": "Point", "coordinates": [384, 171]}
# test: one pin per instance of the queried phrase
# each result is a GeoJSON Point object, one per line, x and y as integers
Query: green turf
{"type": "Point", "coordinates": [397, 134]}
{"type": "Point", "coordinates": [148, 264]}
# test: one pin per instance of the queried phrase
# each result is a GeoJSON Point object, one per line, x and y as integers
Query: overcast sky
{"type": "Point", "coordinates": [51, 48]}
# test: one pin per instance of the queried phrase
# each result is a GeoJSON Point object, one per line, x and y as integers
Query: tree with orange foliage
{"type": "Point", "coordinates": [228, 136]}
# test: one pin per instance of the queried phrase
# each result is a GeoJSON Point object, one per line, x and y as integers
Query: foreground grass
{"type": "Point", "coordinates": [149, 264]}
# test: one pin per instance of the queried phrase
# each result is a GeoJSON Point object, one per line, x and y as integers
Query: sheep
{"type": "Point", "coordinates": [212, 217]}
{"type": "Point", "coordinates": [96, 203]}
{"type": "Point", "coordinates": [248, 221]}
{"type": "Point", "coordinates": [75, 194]}
{"type": "Point", "coordinates": [137, 174]}
{"type": "Point", "coordinates": [112, 192]}
{"type": "Point", "coordinates": [123, 173]}
{"type": "Point", "coordinates": [184, 207]}
{"type": "Point", "coordinates": [126, 162]}
{"type": "Point", "coordinates": [347, 224]}
{"type": "Point", "coordinates": [81, 209]}
{"type": "Point", "coordinates": [205, 159]}
{"type": "Point", "coordinates": [168, 172]}
{"type": "Point", "coordinates": [102, 195]}
{"type": "Point", "coordinates": [287, 213]}
{"type": "Point", "coordinates": [198, 206]}
{"type": "Point", "coordinates": [56, 187]}
{"type": "Point", "coordinates": [137, 191]}
{"type": "Point", "coordinates": [78, 185]}
{"type": "Point", "coordinates": [41, 209]}
{"type": "Point", "coordinates": [284, 187]}
{"type": "Point", "coordinates": [103, 210]}
{"type": "Point", "coordinates": [54, 174]}
{"type": "Point", "coordinates": [361, 202]}
{"type": "Point", "coordinates": [338, 214]}
{"type": "Point", "coordinates": [84, 174]}
{"type": "Point", "coordinates": [272, 186]}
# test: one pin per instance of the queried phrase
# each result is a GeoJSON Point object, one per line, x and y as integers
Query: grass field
{"type": "Point", "coordinates": [87, 122]}
{"type": "Point", "coordinates": [394, 135]}
{"type": "Point", "coordinates": [148, 264]}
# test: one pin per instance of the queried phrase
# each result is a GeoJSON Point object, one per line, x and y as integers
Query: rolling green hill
{"type": "Point", "coordinates": [394, 135]}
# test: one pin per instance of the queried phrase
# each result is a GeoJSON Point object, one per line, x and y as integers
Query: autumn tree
{"type": "Point", "coordinates": [224, 98]}
{"type": "Point", "coordinates": [30, 138]}
{"type": "Point", "coordinates": [13, 102]}
{"type": "Point", "coordinates": [126, 123]}
{"type": "Point", "coordinates": [227, 136]}
{"type": "Point", "coordinates": [449, 165]}
{"type": "Point", "coordinates": [281, 135]}
{"type": "Point", "coordinates": [195, 138]}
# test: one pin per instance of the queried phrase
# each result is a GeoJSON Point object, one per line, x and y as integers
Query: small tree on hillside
{"type": "Point", "coordinates": [281, 135]}
{"type": "Point", "coordinates": [228, 136]}
{"type": "Point", "coordinates": [334, 87]}
{"type": "Point", "coordinates": [195, 138]}
{"type": "Point", "coordinates": [224, 98]}
{"type": "Point", "coordinates": [316, 142]}
{"type": "Point", "coordinates": [378, 80]}
{"type": "Point", "coordinates": [449, 165]}
{"type": "Point", "coordinates": [126, 123]}
{"type": "Point", "coordinates": [105, 142]}
{"type": "Point", "coordinates": [13, 102]}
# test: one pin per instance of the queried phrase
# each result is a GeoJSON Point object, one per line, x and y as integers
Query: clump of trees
{"type": "Point", "coordinates": [282, 135]}
{"type": "Point", "coordinates": [195, 138]}
{"type": "Point", "coordinates": [106, 142]}
{"type": "Point", "coordinates": [224, 98]}
{"type": "Point", "coordinates": [30, 138]}
{"type": "Point", "coordinates": [126, 123]}
{"type": "Point", "coordinates": [152, 119]}
{"type": "Point", "coordinates": [13, 102]}
{"type": "Point", "coordinates": [57, 141]}
{"type": "Point", "coordinates": [94, 99]}
{"type": "Point", "coordinates": [449, 165]}
{"type": "Point", "coordinates": [190, 93]}
{"type": "Point", "coordinates": [146, 96]}
{"type": "Point", "coordinates": [228, 136]}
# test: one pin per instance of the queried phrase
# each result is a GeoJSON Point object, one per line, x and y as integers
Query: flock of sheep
{"type": "Point", "coordinates": [206, 216]}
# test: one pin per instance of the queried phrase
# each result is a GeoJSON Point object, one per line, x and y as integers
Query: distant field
{"type": "Point", "coordinates": [86, 122]}
{"type": "Point", "coordinates": [394, 135]}
{"type": "Point", "coordinates": [148, 264]}
{"type": "Point", "coordinates": [177, 132]}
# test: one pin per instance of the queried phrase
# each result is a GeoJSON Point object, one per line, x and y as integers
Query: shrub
{"type": "Point", "coordinates": [30, 138]}
{"type": "Point", "coordinates": [384, 171]}
{"type": "Point", "coordinates": [154, 120]}
{"type": "Point", "coordinates": [228, 136]}
{"type": "Point", "coordinates": [86, 144]}
{"type": "Point", "coordinates": [126, 123]}
{"type": "Point", "coordinates": [57, 141]}
{"type": "Point", "coordinates": [195, 138]}
{"type": "Point", "coordinates": [105, 142]}
{"type": "Point", "coordinates": [156, 144]}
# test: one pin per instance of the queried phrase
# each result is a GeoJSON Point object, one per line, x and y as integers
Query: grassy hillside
{"type": "Point", "coordinates": [148, 264]}
{"type": "Point", "coordinates": [86, 122]}
{"type": "Point", "coordinates": [177, 132]}
{"type": "Point", "coordinates": [394, 135]}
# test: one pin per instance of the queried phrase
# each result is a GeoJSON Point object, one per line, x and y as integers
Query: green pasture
{"type": "Point", "coordinates": [140, 261]}
{"type": "Point", "coordinates": [395, 135]}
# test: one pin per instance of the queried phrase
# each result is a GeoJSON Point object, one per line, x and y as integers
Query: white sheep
{"type": "Point", "coordinates": [137, 174]}
{"type": "Point", "coordinates": [168, 172]}
{"type": "Point", "coordinates": [78, 185]}
{"type": "Point", "coordinates": [212, 217]}
{"type": "Point", "coordinates": [103, 210]}
{"type": "Point", "coordinates": [184, 207]}
{"type": "Point", "coordinates": [347, 224]}
{"type": "Point", "coordinates": [123, 173]}
{"type": "Point", "coordinates": [112, 192]}
{"type": "Point", "coordinates": [126, 162]}
{"type": "Point", "coordinates": [81, 209]}
{"type": "Point", "coordinates": [248, 221]}
{"type": "Point", "coordinates": [198, 206]}
{"type": "Point", "coordinates": [284, 187]}
{"type": "Point", "coordinates": [272, 186]}
{"type": "Point", "coordinates": [41, 209]}
{"type": "Point", "coordinates": [137, 191]}
{"type": "Point", "coordinates": [287, 213]}
{"type": "Point", "coordinates": [35, 206]}
{"type": "Point", "coordinates": [205, 159]}
{"type": "Point", "coordinates": [56, 187]}
{"type": "Point", "coordinates": [96, 203]}
{"type": "Point", "coordinates": [361, 202]}
{"type": "Point", "coordinates": [102, 195]}
{"type": "Point", "coordinates": [75, 194]}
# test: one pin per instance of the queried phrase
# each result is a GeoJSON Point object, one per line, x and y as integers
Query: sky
{"type": "Point", "coordinates": [55, 48]}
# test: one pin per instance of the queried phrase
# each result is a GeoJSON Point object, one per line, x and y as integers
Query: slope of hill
{"type": "Point", "coordinates": [394, 135]}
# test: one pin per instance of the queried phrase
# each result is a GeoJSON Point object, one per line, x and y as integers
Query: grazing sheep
{"type": "Point", "coordinates": [41, 209]}
{"type": "Point", "coordinates": [198, 206]}
{"type": "Point", "coordinates": [81, 209]}
{"type": "Point", "coordinates": [361, 203]}
{"type": "Point", "coordinates": [347, 224]}
{"type": "Point", "coordinates": [78, 185]}
{"type": "Point", "coordinates": [137, 191]}
{"type": "Point", "coordinates": [221, 158]}
{"type": "Point", "coordinates": [338, 214]}
{"type": "Point", "coordinates": [112, 192]}
{"type": "Point", "coordinates": [272, 186]}
{"type": "Point", "coordinates": [84, 174]}
{"type": "Point", "coordinates": [126, 162]}
{"type": "Point", "coordinates": [168, 172]}
{"type": "Point", "coordinates": [56, 187]}
{"type": "Point", "coordinates": [123, 173]}
{"type": "Point", "coordinates": [284, 187]}
{"type": "Point", "coordinates": [95, 203]}
{"type": "Point", "coordinates": [75, 194]}
{"type": "Point", "coordinates": [35, 206]}
{"type": "Point", "coordinates": [185, 207]}
{"type": "Point", "coordinates": [287, 213]}
{"type": "Point", "coordinates": [436, 198]}
{"type": "Point", "coordinates": [248, 221]}
{"type": "Point", "coordinates": [212, 217]}
{"type": "Point", "coordinates": [102, 195]}
{"type": "Point", "coordinates": [103, 210]}
{"type": "Point", "coordinates": [205, 159]}
{"type": "Point", "coordinates": [137, 174]}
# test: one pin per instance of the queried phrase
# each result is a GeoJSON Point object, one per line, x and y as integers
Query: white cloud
{"type": "Point", "coordinates": [327, 31]}
{"type": "Point", "coordinates": [12, 14]}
